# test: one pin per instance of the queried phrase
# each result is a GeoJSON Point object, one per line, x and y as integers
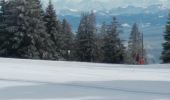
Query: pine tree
{"type": "Point", "coordinates": [67, 38]}
{"type": "Point", "coordinates": [36, 31]}
{"type": "Point", "coordinates": [136, 51]}
{"type": "Point", "coordinates": [60, 36]}
{"type": "Point", "coordinates": [100, 43]}
{"type": "Point", "coordinates": [26, 35]}
{"type": "Point", "coordinates": [12, 37]}
{"type": "Point", "coordinates": [51, 24]}
{"type": "Point", "coordinates": [113, 47]}
{"type": "Point", "coordinates": [85, 38]}
{"type": "Point", "coordinates": [166, 46]}
{"type": "Point", "coordinates": [54, 27]}
{"type": "Point", "coordinates": [2, 23]}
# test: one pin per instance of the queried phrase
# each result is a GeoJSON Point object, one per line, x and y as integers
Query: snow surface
{"type": "Point", "coordinates": [58, 80]}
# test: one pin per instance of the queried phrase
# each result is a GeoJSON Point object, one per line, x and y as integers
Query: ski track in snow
{"type": "Point", "coordinates": [90, 87]}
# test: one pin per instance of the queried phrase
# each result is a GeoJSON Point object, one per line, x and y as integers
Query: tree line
{"type": "Point", "coordinates": [166, 45]}
{"type": "Point", "coordinates": [26, 31]}
{"type": "Point", "coordinates": [29, 32]}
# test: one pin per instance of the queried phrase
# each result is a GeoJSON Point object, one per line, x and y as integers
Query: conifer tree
{"type": "Point", "coordinates": [54, 27]}
{"type": "Point", "coordinates": [2, 23]}
{"type": "Point", "coordinates": [68, 36]}
{"type": "Point", "coordinates": [136, 52]}
{"type": "Point", "coordinates": [85, 38]}
{"type": "Point", "coordinates": [166, 46]}
{"type": "Point", "coordinates": [37, 31]}
{"type": "Point", "coordinates": [51, 23]}
{"type": "Point", "coordinates": [12, 38]}
{"type": "Point", "coordinates": [113, 47]}
{"type": "Point", "coordinates": [26, 35]}
{"type": "Point", "coordinates": [100, 43]}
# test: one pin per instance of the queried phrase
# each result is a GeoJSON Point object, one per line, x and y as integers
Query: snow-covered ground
{"type": "Point", "coordinates": [50, 80]}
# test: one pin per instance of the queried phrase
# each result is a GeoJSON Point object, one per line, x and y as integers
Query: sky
{"type": "Point", "coordinates": [103, 4]}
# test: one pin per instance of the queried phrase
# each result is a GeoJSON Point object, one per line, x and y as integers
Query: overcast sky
{"type": "Point", "coordinates": [103, 4]}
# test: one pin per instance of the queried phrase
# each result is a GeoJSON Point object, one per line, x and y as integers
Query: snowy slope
{"type": "Point", "coordinates": [49, 80]}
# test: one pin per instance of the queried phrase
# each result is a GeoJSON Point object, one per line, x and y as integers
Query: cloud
{"type": "Point", "coordinates": [126, 25]}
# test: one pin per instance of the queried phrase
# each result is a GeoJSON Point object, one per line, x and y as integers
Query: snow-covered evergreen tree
{"type": "Point", "coordinates": [2, 23]}
{"type": "Point", "coordinates": [113, 47]}
{"type": "Point", "coordinates": [37, 31]}
{"type": "Point", "coordinates": [26, 35]}
{"type": "Point", "coordinates": [166, 46]}
{"type": "Point", "coordinates": [51, 22]}
{"type": "Point", "coordinates": [12, 37]}
{"type": "Point", "coordinates": [67, 39]}
{"type": "Point", "coordinates": [85, 38]}
{"type": "Point", "coordinates": [136, 53]}
{"type": "Point", "coordinates": [100, 42]}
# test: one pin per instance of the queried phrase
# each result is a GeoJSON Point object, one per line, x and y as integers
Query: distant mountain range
{"type": "Point", "coordinates": [159, 8]}
{"type": "Point", "coordinates": [151, 22]}
{"type": "Point", "coordinates": [155, 14]}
